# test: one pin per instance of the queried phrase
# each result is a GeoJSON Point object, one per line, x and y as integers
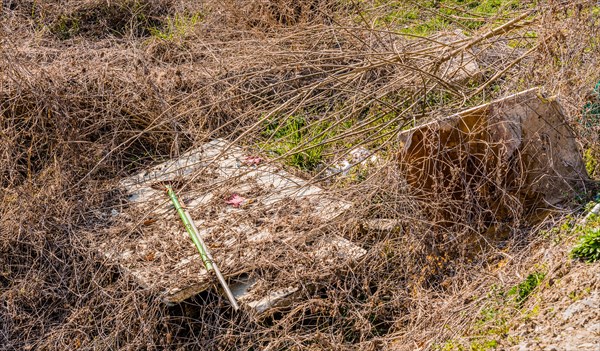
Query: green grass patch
{"type": "Point", "coordinates": [176, 26]}
{"type": "Point", "coordinates": [523, 290]}
{"type": "Point", "coordinates": [591, 157]}
{"type": "Point", "coordinates": [297, 138]}
{"type": "Point", "coordinates": [66, 27]}
{"type": "Point", "coordinates": [308, 139]}
{"type": "Point", "coordinates": [478, 345]}
{"type": "Point", "coordinates": [491, 328]}
{"type": "Point", "coordinates": [427, 17]}
{"type": "Point", "coordinates": [588, 247]}
{"type": "Point", "coordinates": [525, 42]}
{"type": "Point", "coordinates": [398, 17]}
{"type": "Point", "coordinates": [432, 25]}
{"type": "Point", "coordinates": [484, 345]}
{"type": "Point", "coordinates": [491, 7]}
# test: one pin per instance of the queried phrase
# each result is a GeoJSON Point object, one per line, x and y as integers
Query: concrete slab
{"type": "Point", "coordinates": [519, 148]}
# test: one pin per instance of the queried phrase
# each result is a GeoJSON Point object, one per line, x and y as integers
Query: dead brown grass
{"type": "Point", "coordinates": [82, 107]}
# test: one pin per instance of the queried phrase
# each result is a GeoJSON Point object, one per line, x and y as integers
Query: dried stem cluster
{"type": "Point", "coordinates": [91, 93]}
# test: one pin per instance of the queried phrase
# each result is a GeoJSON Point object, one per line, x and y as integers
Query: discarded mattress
{"type": "Point", "coordinates": [158, 253]}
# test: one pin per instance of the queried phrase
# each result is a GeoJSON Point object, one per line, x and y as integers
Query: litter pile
{"type": "Point", "coordinates": [514, 153]}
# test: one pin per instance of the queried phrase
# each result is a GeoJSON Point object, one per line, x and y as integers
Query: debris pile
{"type": "Point", "coordinates": [245, 211]}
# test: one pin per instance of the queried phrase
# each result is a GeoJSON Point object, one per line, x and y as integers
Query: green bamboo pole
{"type": "Point", "coordinates": [188, 226]}
{"type": "Point", "coordinates": [200, 245]}
{"type": "Point", "coordinates": [216, 268]}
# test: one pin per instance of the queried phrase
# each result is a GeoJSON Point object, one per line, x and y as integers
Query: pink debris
{"type": "Point", "coordinates": [252, 160]}
{"type": "Point", "coordinates": [235, 200]}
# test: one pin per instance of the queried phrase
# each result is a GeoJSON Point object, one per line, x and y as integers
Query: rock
{"type": "Point", "coordinates": [525, 347]}
{"type": "Point", "coordinates": [359, 156]}
{"type": "Point", "coordinates": [461, 68]}
{"type": "Point", "coordinates": [591, 302]}
{"type": "Point", "coordinates": [593, 328]}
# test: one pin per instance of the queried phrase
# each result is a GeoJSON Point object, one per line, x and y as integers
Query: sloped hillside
{"type": "Point", "coordinates": [94, 92]}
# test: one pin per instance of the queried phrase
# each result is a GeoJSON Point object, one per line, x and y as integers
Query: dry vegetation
{"type": "Point", "coordinates": [93, 91]}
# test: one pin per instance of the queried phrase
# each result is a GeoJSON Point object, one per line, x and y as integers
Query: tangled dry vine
{"type": "Point", "coordinates": [91, 92]}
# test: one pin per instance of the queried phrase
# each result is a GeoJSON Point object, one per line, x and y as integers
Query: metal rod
{"type": "Point", "coordinates": [228, 292]}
